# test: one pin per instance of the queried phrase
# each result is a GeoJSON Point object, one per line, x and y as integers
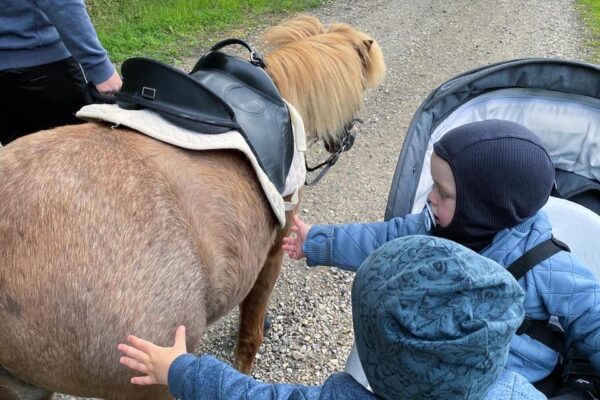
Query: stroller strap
{"type": "Point", "coordinates": [541, 330]}
{"type": "Point", "coordinates": [536, 255]}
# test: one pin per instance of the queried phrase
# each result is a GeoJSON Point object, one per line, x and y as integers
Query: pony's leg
{"type": "Point", "coordinates": [253, 308]}
{"type": "Point", "coordinates": [12, 388]}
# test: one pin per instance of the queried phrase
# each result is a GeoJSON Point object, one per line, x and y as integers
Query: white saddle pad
{"type": "Point", "coordinates": [155, 126]}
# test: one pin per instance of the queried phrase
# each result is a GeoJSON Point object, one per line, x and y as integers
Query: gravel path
{"type": "Point", "coordinates": [425, 43]}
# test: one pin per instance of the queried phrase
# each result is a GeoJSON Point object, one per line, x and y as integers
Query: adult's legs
{"type": "Point", "coordinates": [37, 98]}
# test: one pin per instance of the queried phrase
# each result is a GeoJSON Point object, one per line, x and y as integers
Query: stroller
{"type": "Point", "coordinates": [559, 100]}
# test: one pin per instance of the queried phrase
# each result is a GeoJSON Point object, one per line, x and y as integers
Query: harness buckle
{"type": "Point", "coordinates": [257, 59]}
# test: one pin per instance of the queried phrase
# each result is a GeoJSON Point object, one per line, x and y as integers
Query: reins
{"type": "Point", "coordinates": [344, 145]}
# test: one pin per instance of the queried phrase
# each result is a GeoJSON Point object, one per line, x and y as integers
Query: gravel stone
{"type": "Point", "coordinates": [425, 43]}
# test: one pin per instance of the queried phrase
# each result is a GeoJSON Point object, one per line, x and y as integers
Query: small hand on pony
{"type": "Point", "coordinates": [152, 360]}
{"type": "Point", "coordinates": [292, 245]}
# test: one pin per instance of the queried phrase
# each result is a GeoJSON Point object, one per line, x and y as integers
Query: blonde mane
{"type": "Point", "coordinates": [323, 71]}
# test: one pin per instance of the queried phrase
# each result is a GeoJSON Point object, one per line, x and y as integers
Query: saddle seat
{"type": "Point", "coordinates": [221, 94]}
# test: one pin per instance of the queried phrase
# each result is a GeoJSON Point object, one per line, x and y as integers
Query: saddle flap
{"type": "Point", "coordinates": [174, 95]}
{"type": "Point", "coordinates": [259, 110]}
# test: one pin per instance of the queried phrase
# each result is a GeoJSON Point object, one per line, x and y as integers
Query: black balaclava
{"type": "Point", "coordinates": [503, 176]}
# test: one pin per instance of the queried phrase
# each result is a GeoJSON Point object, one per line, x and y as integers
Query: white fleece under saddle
{"type": "Point", "coordinates": [152, 124]}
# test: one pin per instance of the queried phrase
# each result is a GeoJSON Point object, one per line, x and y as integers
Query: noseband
{"type": "Point", "coordinates": [344, 145]}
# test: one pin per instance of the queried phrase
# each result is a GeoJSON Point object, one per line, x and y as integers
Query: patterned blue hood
{"type": "Point", "coordinates": [433, 319]}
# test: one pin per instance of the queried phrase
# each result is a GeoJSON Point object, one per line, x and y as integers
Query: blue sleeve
{"type": "Point", "coordinates": [570, 291]}
{"type": "Point", "coordinates": [71, 20]}
{"type": "Point", "coordinates": [347, 246]}
{"type": "Point", "coordinates": [512, 386]}
{"type": "Point", "coordinates": [206, 377]}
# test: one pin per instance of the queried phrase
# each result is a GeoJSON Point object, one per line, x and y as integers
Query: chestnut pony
{"type": "Point", "coordinates": [108, 232]}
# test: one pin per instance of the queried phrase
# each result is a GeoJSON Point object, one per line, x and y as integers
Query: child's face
{"type": "Point", "coordinates": [442, 197]}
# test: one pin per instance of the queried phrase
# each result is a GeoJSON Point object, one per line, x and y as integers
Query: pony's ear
{"type": "Point", "coordinates": [374, 64]}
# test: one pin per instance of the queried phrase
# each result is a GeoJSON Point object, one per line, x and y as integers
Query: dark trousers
{"type": "Point", "coordinates": [37, 98]}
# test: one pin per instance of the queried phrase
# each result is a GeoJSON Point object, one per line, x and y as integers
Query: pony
{"type": "Point", "coordinates": [106, 232]}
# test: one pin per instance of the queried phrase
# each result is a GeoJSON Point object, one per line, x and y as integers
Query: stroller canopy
{"type": "Point", "coordinates": [559, 100]}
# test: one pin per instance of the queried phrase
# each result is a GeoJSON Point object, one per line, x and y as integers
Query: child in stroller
{"type": "Point", "coordinates": [559, 101]}
{"type": "Point", "coordinates": [490, 179]}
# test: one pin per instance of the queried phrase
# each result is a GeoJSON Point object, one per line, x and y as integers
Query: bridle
{"type": "Point", "coordinates": [344, 144]}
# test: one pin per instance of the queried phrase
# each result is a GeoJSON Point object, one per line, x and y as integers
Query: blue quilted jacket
{"type": "Point", "coordinates": [206, 377]}
{"type": "Point", "coordinates": [559, 286]}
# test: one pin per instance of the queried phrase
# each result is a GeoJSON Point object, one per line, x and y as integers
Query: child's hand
{"type": "Point", "coordinates": [150, 359]}
{"type": "Point", "coordinates": [293, 244]}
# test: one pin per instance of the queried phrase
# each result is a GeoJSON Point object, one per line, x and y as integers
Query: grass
{"type": "Point", "coordinates": [169, 30]}
{"type": "Point", "coordinates": [590, 12]}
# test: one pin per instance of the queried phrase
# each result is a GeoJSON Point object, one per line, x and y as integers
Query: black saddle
{"type": "Point", "coordinates": [222, 93]}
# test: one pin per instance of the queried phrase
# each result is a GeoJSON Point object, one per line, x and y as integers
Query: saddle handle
{"type": "Point", "coordinates": [255, 56]}
{"type": "Point", "coordinates": [93, 96]}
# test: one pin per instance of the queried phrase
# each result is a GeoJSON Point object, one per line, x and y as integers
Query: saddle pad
{"type": "Point", "coordinates": [153, 125]}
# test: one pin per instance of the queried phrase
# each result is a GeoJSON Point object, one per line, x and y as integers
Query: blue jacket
{"type": "Point", "coordinates": [37, 32]}
{"type": "Point", "coordinates": [205, 377]}
{"type": "Point", "coordinates": [560, 286]}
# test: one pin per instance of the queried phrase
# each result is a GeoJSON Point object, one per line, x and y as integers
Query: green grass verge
{"type": "Point", "coordinates": [590, 12]}
{"type": "Point", "coordinates": [169, 30]}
